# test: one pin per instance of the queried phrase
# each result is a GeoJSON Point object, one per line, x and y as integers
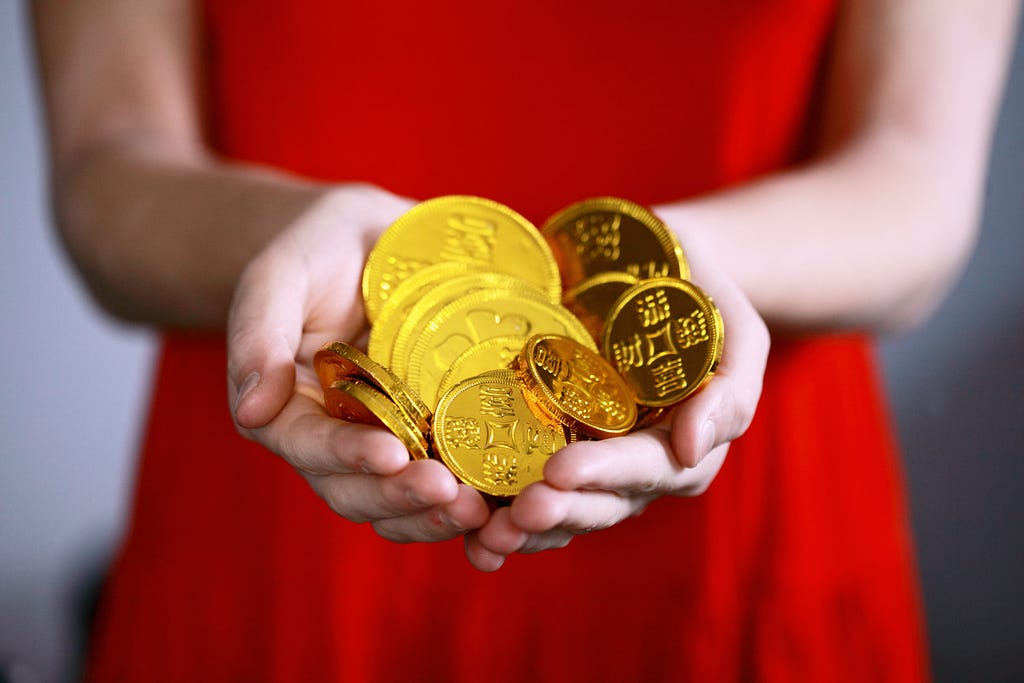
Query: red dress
{"type": "Point", "coordinates": [796, 565]}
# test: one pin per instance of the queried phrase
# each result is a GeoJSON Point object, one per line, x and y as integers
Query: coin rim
{"type": "Point", "coordinates": [508, 378]}
{"type": "Point", "coordinates": [415, 355]}
{"type": "Point", "coordinates": [669, 242]}
{"type": "Point", "coordinates": [382, 339]}
{"type": "Point", "coordinates": [552, 285]}
{"type": "Point", "coordinates": [707, 305]}
{"type": "Point", "coordinates": [376, 375]}
{"type": "Point", "coordinates": [464, 356]}
{"type": "Point", "coordinates": [389, 413]}
{"type": "Point", "coordinates": [539, 388]}
{"type": "Point", "coordinates": [424, 310]}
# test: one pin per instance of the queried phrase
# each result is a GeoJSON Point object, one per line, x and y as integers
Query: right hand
{"type": "Point", "coordinates": [300, 291]}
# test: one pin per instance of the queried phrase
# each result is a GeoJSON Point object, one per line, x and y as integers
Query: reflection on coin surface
{"type": "Point", "coordinates": [397, 306]}
{"type": "Point", "coordinates": [338, 360]}
{"type": "Point", "coordinates": [486, 434]}
{"type": "Point", "coordinates": [463, 229]}
{"type": "Point", "coordinates": [484, 315]}
{"type": "Point", "coordinates": [592, 299]}
{"type": "Point", "coordinates": [577, 386]}
{"type": "Point", "coordinates": [665, 338]}
{"type": "Point", "coordinates": [488, 355]}
{"type": "Point", "coordinates": [433, 301]}
{"type": "Point", "coordinates": [355, 401]}
{"type": "Point", "coordinates": [611, 234]}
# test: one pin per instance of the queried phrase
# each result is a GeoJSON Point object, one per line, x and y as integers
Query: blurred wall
{"type": "Point", "coordinates": [74, 389]}
{"type": "Point", "coordinates": [72, 394]}
{"type": "Point", "coordinates": [957, 390]}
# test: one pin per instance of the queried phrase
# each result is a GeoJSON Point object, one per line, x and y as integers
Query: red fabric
{"type": "Point", "coordinates": [796, 565]}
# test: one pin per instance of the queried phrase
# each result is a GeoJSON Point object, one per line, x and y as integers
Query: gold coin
{"type": "Point", "coordinates": [648, 416]}
{"type": "Point", "coordinates": [397, 306]}
{"type": "Point", "coordinates": [423, 311]}
{"type": "Point", "coordinates": [486, 434]}
{"type": "Point", "coordinates": [611, 234]}
{"type": "Point", "coordinates": [337, 360]}
{"type": "Point", "coordinates": [488, 355]}
{"type": "Point", "coordinates": [355, 401]}
{"type": "Point", "coordinates": [577, 386]}
{"type": "Point", "coordinates": [477, 317]}
{"type": "Point", "coordinates": [471, 230]}
{"type": "Point", "coordinates": [592, 299]}
{"type": "Point", "coordinates": [665, 338]}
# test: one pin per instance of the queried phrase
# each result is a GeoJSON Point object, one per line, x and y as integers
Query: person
{"type": "Point", "coordinates": [220, 170]}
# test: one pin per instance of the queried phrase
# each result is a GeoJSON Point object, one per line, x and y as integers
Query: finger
{"type": "Point", "coordinates": [542, 509]}
{"type": "Point", "coordinates": [480, 557]}
{"type": "Point", "coordinates": [723, 410]}
{"type": "Point", "coordinates": [315, 443]}
{"type": "Point", "coordinates": [264, 330]}
{"type": "Point", "coordinates": [638, 465]}
{"type": "Point", "coordinates": [422, 484]}
{"type": "Point", "coordinates": [500, 536]}
{"type": "Point", "coordinates": [440, 523]}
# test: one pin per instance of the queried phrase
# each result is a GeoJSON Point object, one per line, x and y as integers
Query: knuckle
{"type": "Point", "coordinates": [646, 485]}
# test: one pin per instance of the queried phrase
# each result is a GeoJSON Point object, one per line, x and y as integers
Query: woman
{"type": "Point", "coordinates": [822, 166]}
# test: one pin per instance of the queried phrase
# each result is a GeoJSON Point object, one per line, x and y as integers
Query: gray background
{"type": "Point", "coordinates": [74, 391]}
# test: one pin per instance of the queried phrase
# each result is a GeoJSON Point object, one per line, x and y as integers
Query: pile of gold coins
{"type": "Point", "coordinates": [494, 344]}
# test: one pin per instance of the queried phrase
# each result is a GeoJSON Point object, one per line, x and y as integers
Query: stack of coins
{"type": "Point", "coordinates": [466, 296]}
{"type": "Point", "coordinates": [626, 277]}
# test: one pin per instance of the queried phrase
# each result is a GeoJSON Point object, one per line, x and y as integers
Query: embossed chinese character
{"type": "Point", "coordinates": [463, 432]}
{"type": "Point", "coordinates": [653, 308]}
{"type": "Point", "coordinates": [598, 236]}
{"type": "Point", "coordinates": [501, 470]}
{"type": "Point", "coordinates": [469, 240]}
{"type": "Point", "coordinates": [669, 376]}
{"type": "Point", "coordinates": [577, 400]}
{"type": "Point", "coordinates": [648, 270]}
{"type": "Point", "coordinates": [628, 353]}
{"type": "Point", "coordinates": [691, 330]}
{"type": "Point", "coordinates": [537, 439]}
{"type": "Point", "coordinates": [496, 401]}
{"type": "Point", "coordinates": [398, 269]}
{"type": "Point", "coordinates": [609, 405]}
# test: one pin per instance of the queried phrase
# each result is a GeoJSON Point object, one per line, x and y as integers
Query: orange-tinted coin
{"type": "Point", "coordinates": [611, 234]}
{"type": "Point", "coordinates": [355, 401]}
{"type": "Point", "coordinates": [577, 386]}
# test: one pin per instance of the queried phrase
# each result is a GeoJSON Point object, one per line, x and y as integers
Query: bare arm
{"type": "Point", "coordinates": [159, 228]}
{"type": "Point", "coordinates": [165, 233]}
{"type": "Point", "coordinates": [873, 231]}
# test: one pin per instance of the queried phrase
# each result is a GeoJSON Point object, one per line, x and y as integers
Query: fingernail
{"type": "Point", "coordinates": [250, 382]}
{"type": "Point", "coordinates": [707, 438]}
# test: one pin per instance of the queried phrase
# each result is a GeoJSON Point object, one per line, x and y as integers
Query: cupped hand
{"type": "Point", "coordinates": [300, 291]}
{"type": "Point", "coordinates": [593, 485]}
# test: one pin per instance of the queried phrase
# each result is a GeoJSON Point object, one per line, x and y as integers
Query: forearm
{"type": "Point", "coordinates": [161, 237]}
{"type": "Point", "coordinates": [872, 231]}
{"type": "Point", "coordinates": [870, 237]}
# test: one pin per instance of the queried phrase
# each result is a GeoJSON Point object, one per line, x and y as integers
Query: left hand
{"type": "Point", "coordinates": [596, 484]}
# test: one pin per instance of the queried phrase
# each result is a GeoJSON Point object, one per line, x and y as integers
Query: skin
{"type": "Point", "coordinates": [165, 233]}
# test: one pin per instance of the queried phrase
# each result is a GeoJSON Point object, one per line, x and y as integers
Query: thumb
{"type": "Point", "coordinates": [264, 330]}
{"type": "Point", "coordinates": [724, 409]}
